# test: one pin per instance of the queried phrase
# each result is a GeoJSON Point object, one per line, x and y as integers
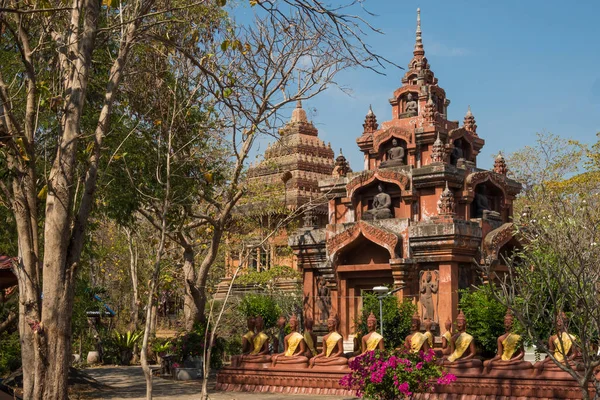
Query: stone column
{"type": "Point", "coordinates": [448, 291]}
{"type": "Point", "coordinates": [401, 272]}
{"type": "Point", "coordinates": [343, 307]}
{"type": "Point", "coordinates": [309, 294]}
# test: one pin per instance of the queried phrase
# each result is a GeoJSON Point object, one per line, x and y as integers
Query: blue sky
{"type": "Point", "coordinates": [523, 66]}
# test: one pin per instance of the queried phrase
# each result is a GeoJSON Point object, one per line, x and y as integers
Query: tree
{"type": "Point", "coordinates": [56, 113]}
{"type": "Point", "coordinates": [557, 269]}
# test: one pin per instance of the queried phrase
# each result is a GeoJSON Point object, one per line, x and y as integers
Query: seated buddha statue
{"type": "Point", "coordinates": [333, 347]}
{"type": "Point", "coordinates": [560, 346]}
{"type": "Point", "coordinates": [294, 348]}
{"type": "Point", "coordinates": [510, 350]}
{"type": "Point", "coordinates": [462, 347]}
{"type": "Point", "coordinates": [447, 338]}
{"type": "Point", "coordinates": [247, 342]}
{"type": "Point", "coordinates": [416, 341]}
{"type": "Point", "coordinates": [260, 346]}
{"type": "Point", "coordinates": [428, 334]}
{"type": "Point", "coordinates": [310, 339]}
{"type": "Point", "coordinates": [381, 206]}
{"type": "Point", "coordinates": [372, 340]}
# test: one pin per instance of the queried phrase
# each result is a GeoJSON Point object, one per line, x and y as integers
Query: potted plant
{"type": "Point", "coordinates": [126, 342]}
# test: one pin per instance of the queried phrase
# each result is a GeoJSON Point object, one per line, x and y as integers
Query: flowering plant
{"type": "Point", "coordinates": [394, 374]}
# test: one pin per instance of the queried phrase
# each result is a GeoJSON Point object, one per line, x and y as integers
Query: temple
{"type": "Point", "coordinates": [421, 218]}
{"type": "Point", "coordinates": [286, 179]}
{"type": "Point", "coordinates": [419, 214]}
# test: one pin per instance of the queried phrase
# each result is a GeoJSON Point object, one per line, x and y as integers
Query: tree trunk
{"type": "Point", "coordinates": [133, 261]}
{"type": "Point", "coordinates": [191, 296]}
{"type": "Point", "coordinates": [204, 270]}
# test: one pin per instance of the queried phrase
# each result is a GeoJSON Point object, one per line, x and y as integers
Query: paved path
{"type": "Point", "coordinates": [127, 383]}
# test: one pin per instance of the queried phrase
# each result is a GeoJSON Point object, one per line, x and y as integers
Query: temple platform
{"type": "Point", "coordinates": [470, 384]}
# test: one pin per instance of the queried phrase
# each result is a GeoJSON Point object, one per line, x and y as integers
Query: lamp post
{"type": "Point", "coordinates": [384, 291]}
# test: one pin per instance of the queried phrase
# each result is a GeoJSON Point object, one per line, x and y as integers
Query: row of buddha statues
{"type": "Point", "coordinates": [458, 348]}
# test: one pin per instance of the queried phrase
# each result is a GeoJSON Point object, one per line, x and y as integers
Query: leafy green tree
{"type": "Point", "coordinates": [556, 270]}
{"type": "Point", "coordinates": [485, 318]}
{"type": "Point", "coordinates": [396, 318]}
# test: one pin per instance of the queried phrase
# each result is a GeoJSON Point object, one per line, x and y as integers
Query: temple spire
{"type": "Point", "coordinates": [419, 50]}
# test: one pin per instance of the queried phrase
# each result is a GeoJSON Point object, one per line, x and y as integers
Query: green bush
{"type": "Point", "coordinates": [191, 345]}
{"type": "Point", "coordinates": [396, 318]}
{"type": "Point", "coordinates": [10, 352]}
{"type": "Point", "coordinates": [485, 318]}
{"type": "Point", "coordinates": [273, 274]}
{"type": "Point", "coordinates": [265, 306]}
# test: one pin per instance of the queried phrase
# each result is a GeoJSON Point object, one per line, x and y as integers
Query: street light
{"type": "Point", "coordinates": [383, 291]}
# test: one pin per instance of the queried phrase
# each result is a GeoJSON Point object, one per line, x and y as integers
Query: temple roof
{"type": "Point", "coordinates": [298, 160]}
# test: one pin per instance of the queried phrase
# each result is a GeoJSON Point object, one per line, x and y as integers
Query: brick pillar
{"type": "Point", "coordinates": [343, 307]}
{"type": "Point", "coordinates": [309, 294]}
{"type": "Point", "coordinates": [448, 292]}
{"type": "Point", "coordinates": [401, 272]}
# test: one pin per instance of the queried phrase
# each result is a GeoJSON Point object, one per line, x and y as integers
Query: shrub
{"type": "Point", "coordinates": [265, 306]}
{"type": "Point", "coordinates": [191, 345]}
{"type": "Point", "coordinates": [10, 352]}
{"type": "Point", "coordinates": [485, 318]}
{"type": "Point", "coordinates": [394, 374]}
{"type": "Point", "coordinates": [273, 274]}
{"type": "Point", "coordinates": [396, 318]}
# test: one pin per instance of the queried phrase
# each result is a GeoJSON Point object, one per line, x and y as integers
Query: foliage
{"type": "Point", "coordinates": [396, 318]}
{"type": "Point", "coordinates": [192, 345]}
{"type": "Point", "coordinates": [162, 346]}
{"type": "Point", "coordinates": [263, 305]}
{"type": "Point", "coordinates": [556, 270]}
{"type": "Point", "coordinates": [394, 374]}
{"type": "Point", "coordinates": [10, 352]}
{"type": "Point", "coordinates": [485, 318]}
{"type": "Point", "coordinates": [273, 274]}
{"type": "Point", "coordinates": [127, 341]}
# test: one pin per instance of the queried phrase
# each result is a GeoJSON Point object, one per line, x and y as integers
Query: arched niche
{"type": "Point", "coordinates": [363, 198]}
{"type": "Point", "coordinates": [462, 150]}
{"type": "Point", "coordinates": [393, 152]}
{"type": "Point", "coordinates": [362, 251]}
{"type": "Point", "coordinates": [487, 196]}
{"type": "Point", "coordinates": [408, 103]}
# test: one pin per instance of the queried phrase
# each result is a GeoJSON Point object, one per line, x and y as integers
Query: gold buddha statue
{"type": "Point", "coordinates": [294, 348]}
{"type": "Point", "coordinates": [260, 345]}
{"type": "Point", "coordinates": [333, 347]}
{"type": "Point", "coordinates": [447, 338]}
{"type": "Point", "coordinates": [416, 341]}
{"type": "Point", "coordinates": [428, 334]}
{"type": "Point", "coordinates": [510, 350]}
{"type": "Point", "coordinates": [310, 339]}
{"type": "Point", "coordinates": [247, 342]}
{"type": "Point", "coordinates": [372, 340]}
{"type": "Point", "coordinates": [462, 347]}
{"type": "Point", "coordinates": [561, 346]}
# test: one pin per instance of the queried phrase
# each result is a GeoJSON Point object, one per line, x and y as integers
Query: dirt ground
{"type": "Point", "coordinates": [128, 383]}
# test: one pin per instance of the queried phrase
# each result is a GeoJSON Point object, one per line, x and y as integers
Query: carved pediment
{"type": "Point", "coordinates": [375, 234]}
{"type": "Point", "coordinates": [382, 175]}
{"type": "Point", "coordinates": [497, 238]}
{"type": "Point", "coordinates": [382, 136]}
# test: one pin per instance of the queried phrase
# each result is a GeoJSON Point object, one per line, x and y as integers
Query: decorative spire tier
{"type": "Point", "coordinates": [300, 155]}
{"type": "Point", "coordinates": [370, 124]}
{"type": "Point", "coordinates": [446, 205]}
{"type": "Point", "coordinates": [469, 122]}
{"type": "Point", "coordinates": [438, 153]}
{"type": "Point", "coordinates": [500, 165]}
{"type": "Point", "coordinates": [342, 167]}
